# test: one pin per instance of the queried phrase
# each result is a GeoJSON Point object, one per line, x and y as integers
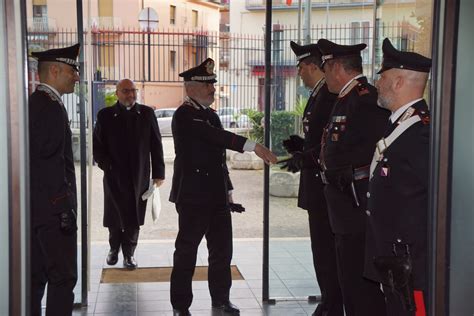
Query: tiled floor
{"type": "Point", "coordinates": [292, 279]}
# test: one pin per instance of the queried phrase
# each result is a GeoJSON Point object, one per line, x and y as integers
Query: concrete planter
{"type": "Point", "coordinates": [284, 183]}
{"type": "Point", "coordinates": [246, 160]}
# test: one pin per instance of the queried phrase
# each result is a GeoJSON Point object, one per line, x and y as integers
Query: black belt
{"type": "Point", "coordinates": [357, 174]}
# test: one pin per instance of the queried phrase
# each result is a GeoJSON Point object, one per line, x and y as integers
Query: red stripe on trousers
{"type": "Point", "coordinates": [420, 304]}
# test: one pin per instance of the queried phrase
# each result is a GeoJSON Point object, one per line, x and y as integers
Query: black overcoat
{"type": "Point", "coordinates": [200, 173]}
{"type": "Point", "coordinates": [315, 117]}
{"type": "Point", "coordinates": [398, 200]}
{"type": "Point", "coordinates": [124, 142]}
{"type": "Point", "coordinates": [355, 125]}
{"type": "Point", "coordinates": [52, 177]}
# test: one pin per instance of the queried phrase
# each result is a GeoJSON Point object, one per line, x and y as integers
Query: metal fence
{"type": "Point", "coordinates": [158, 57]}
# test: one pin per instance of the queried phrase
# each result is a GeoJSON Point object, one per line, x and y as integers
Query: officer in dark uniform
{"type": "Point", "coordinates": [355, 125]}
{"type": "Point", "coordinates": [53, 201]}
{"type": "Point", "coordinates": [398, 189]}
{"type": "Point", "coordinates": [305, 156]}
{"type": "Point", "coordinates": [202, 189]}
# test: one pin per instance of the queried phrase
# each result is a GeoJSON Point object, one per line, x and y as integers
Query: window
{"type": "Point", "coordinates": [172, 14]}
{"type": "Point", "coordinates": [40, 11]}
{"type": "Point", "coordinates": [195, 18]}
{"type": "Point", "coordinates": [172, 59]}
{"type": "Point", "coordinates": [360, 33]}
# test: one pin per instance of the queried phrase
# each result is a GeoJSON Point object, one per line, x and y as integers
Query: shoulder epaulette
{"type": "Point", "coordinates": [424, 116]}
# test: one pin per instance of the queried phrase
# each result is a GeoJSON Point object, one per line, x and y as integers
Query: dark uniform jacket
{"type": "Point", "coordinates": [315, 117]}
{"type": "Point", "coordinates": [398, 200]}
{"type": "Point", "coordinates": [52, 177]}
{"type": "Point", "coordinates": [200, 174]}
{"type": "Point", "coordinates": [355, 125]}
{"type": "Point", "coordinates": [124, 140]}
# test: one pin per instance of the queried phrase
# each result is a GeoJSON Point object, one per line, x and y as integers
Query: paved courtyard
{"type": "Point", "coordinates": [286, 219]}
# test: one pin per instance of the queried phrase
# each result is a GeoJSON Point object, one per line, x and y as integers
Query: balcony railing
{"type": "Point", "coordinates": [260, 4]}
{"type": "Point", "coordinates": [41, 23]}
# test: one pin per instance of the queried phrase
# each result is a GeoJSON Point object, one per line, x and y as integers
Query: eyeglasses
{"type": "Point", "coordinates": [127, 91]}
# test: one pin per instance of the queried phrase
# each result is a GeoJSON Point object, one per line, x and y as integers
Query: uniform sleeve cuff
{"type": "Point", "coordinates": [249, 145]}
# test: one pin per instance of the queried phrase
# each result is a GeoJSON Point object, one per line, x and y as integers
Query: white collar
{"type": "Point", "coordinates": [395, 115]}
{"type": "Point", "coordinates": [350, 81]}
{"type": "Point", "coordinates": [52, 89]}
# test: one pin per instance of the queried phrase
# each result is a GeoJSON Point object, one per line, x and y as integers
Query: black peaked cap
{"type": "Point", "coordinates": [66, 55]}
{"type": "Point", "coordinates": [330, 50]}
{"type": "Point", "coordinates": [202, 73]}
{"type": "Point", "coordinates": [304, 51]}
{"type": "Point", "coordinates": [393, 58]}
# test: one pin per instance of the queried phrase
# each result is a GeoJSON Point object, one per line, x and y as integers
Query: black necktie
{"type": "Point", "coordinates": [390, 127]}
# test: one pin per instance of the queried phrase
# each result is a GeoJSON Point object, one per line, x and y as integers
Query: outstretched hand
{"type": "Point", "coordinates": [267, 156]}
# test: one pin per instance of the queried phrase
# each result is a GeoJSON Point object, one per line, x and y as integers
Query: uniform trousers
{"type": "Point", "coordinates": [362, 297]}
{"type": "Point", "coordinates": [324, 261]}
{"type": "Point", "coordinates": [127, 238]}
{"type": "Point", "coordinates": [53, 262]}
{"type": "Point", "coordinates": [394, 304]}
{"type": "Point", "coordinates": [195, 222]}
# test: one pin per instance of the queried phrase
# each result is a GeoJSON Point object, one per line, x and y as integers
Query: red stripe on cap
{"type": "Point", "coordinates": [420, 303]}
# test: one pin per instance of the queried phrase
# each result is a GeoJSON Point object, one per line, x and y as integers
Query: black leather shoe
{"type": "Point", "coordinates": [226, 307]}
{"type": "Point", "coordinates": [129, 262]}
{"type": "Point", "coordinates": [181, 312]}
{"type": "Point", "coordinates": [112, 257]}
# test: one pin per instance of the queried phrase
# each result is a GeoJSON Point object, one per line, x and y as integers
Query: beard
{"type": "Point", "coordinates": [207, 101]}
{"type": "Point", "coordinates": [384, 102]}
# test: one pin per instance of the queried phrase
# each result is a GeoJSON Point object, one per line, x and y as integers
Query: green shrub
{"type": "Point", "coordinates": [282, 126]}
{"type": "Point", "coordinates": [110, 98]}
{"type": "Point", "coordinates": [256, 117]}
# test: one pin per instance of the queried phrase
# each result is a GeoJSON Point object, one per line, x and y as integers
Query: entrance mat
{"type": "Point", "coordinates": [161, 274]}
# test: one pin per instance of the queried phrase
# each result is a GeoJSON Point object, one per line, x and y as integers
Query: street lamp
{"type": "Point", "coordinates": [148, 20]}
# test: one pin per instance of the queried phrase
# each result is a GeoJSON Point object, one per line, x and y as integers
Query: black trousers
{"type": "Point", "coordinates": [195, 222]}
{"type": "Point", "coordinates": [126, 238]}
{"type": "Point", "coordinates": [324, 261]}
{"type": "Point", "coordinates": [394, 303]}
{"type": "Point", "coordinates": [362, 297]}
{"type": "Point", "coordinates": [53, 262]}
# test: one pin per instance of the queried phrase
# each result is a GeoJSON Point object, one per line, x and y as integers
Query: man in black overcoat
{"type": "Point", "coordinates": [202, 191]}
{"type": "Point", "coordinates": [355, 125]}
{"type": "Point", "coordinates": [305, 156]}
{"type": "Point", "coordinates": [398, 188]}
{"type": "Point", "coordinates": [126, 141]}
{"type": "Point", "coordinates": [53, 201]}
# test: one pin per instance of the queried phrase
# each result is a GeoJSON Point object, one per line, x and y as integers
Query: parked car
{"type": "Point", "coordinates": [231, 118]}
{"type": "Point", "coordinates": [164, 117]}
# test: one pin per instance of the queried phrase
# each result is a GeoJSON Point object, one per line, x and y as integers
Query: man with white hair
{"type": "Point", "coordinates": [398, 188]}
{"type": "Point", "coordinates": [202, 191]}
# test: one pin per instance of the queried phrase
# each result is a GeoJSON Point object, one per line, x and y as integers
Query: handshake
{"type": "Point", "coordinates": [294, 146]}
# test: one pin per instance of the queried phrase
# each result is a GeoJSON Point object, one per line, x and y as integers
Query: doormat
{"type": "Point", "coordinates": [161, 274]}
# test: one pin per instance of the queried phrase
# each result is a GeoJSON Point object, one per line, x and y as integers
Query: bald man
{"type": "Point", "coordinates": [127, 142]}
{"type": "Point", "coordinates": [398, 188]}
